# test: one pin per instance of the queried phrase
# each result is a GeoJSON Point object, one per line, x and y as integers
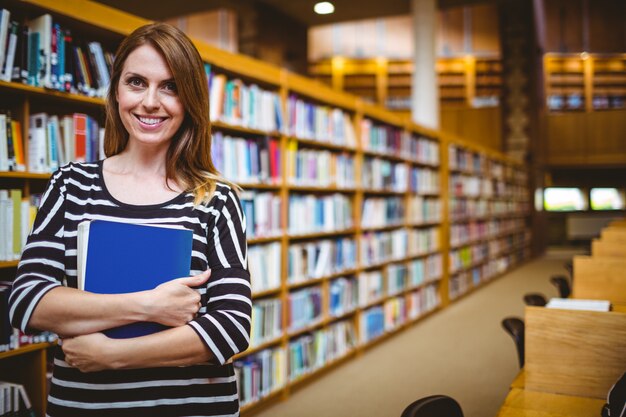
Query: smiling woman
{"type": "Point", "coordinates": [158, 170]}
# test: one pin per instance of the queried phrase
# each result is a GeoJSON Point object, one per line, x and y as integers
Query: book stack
{"type": "Point", "coordinates": [17, 215]}
{"type": "Point", "coordinates": [261, 374]}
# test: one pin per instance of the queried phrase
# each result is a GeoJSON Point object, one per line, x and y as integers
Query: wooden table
{"type": "Point", "coordinates": [524, 403]}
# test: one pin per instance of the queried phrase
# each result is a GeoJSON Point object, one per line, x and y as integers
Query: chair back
{"type": "Point", "coordinates": [562, 285]}
{"type": "Point", "coordinates": [535, 299]}
{"type": "Point", "coordinates": [515, 328]}
{"type": "Point", "coordinates": [434, 406]}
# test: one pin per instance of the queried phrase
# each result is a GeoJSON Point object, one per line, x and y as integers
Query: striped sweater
{"type": "Point", "coordinates": [77, 192]}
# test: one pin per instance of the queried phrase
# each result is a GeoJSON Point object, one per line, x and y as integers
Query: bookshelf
{"type": "Point", "coordinates": [347, 204]}
{"type": "Point", "coordinates": [488, 216]}
{"type": "Point", "coordinates": [470, 81]}
{"type": "Point", "coordinates": [585, 82]}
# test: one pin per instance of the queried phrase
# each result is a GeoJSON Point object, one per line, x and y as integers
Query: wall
{"type": "Point", "coordinates": [585, 25]}
{"type": "Point", "coordinates": [216, 27]}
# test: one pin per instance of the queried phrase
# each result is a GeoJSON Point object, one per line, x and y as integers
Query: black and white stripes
{"type": "Point", "coordinates": [77, 192]}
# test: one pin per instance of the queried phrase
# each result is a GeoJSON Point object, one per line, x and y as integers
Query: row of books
{"type": "Point", "coordinates": [425, 270]}
{"type": "Point", "coordinates": [234, 102]}
{"type": "Point", "coordinates": [460, 283]}
{"type": "Point", "coordinates": [247, 161]}
{"type": "Point", "coordinates": [319, 168]}
{"type": "Point", "coordinates": [343, 296]}
{"type": "Point", "coordinates": [264, 263]}
{"type": "Point", "coordinates": [396, 311]}
{"type": "Point", "coordinates": [317, 259]}
{"type": "Point", "coordinates": [475, 230]}
{"type": "Point", "coordinates": [467, 256]}
{"type": "Point", "coordinates": [42, 53]}
{"type": "Point", "coordinates": [383, 175]}
{"type": "Point", "coordinates": [382, 212]}
{"type": "Point", "coordinates": [312, 351]}
{"type": "Point", "coordinates": [420, 149]}
{"type": "Point", "coordinates": [381, 138]}
{"type": "Point", "coordinates": [466, 209]}
{"type": "Point", "coordinates": [325, 213]}
{"type": "Point", "coordinates": [371, 287]}
{"type": "Point", "coordinates": [53, 141]}
{"type": "Point", "coordinates": [14, 400]}
{"type": "Point", "coordinates": [266, 321]}
{"type": "Point", "coordinates": [11, 144]}
{"type": "Point", "coordinates": [424, 210]}
{"type": "Point", "coordinates": [304, 307]}
{"type": "Point", "coordinates": [320, 123]}
{"type": "Point", "coordinates": [462, 185]}
{"type": "Point", "coordinates": [424, 181]}
{"type": "Point", "coordinates": [382, 247]}
{"type": "Point", "coordinates": [260, 374]}
{"type": "Point", "coordinates": [263, 213]}
{"type": "Point", "coordinates": [464, 160]}
{"type": "Point", "coordinates": [17, 214]}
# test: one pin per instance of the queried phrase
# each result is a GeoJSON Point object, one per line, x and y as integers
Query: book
{"type": "Point", "coordinates": [578, 304]}
{"type": "Point", "coordinates": [116, 258]}
{"type": "Point", "coordinates": [40, 51]}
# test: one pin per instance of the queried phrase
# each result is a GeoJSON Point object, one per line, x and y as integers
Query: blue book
{"type": "Point", "coordinates": [116, 258]}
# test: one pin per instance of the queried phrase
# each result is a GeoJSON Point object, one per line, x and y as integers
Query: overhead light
{"type": "Point", "coordinates": [324, 7]}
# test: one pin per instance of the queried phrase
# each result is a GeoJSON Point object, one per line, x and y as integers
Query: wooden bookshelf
{"type": "Point", "coordinates": [585, 82]}
{"type": "Point", "coordinates": [404, 264]}
{"type": "Point", "coordinates": [468, 81]}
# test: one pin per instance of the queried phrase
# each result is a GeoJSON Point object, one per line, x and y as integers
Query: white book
{"type": "Point", "coordinates": [67, 129]}
{"type": "Point", "coordinates": [4, 144]}
{"type": "Point", "coordinates": [10, 52]}
{"type": "Point", "coordinates": [38, 143]}
{"type": "Point", "coordinates": [4, 32]}
{"type": "Point", "coordinates": [578, 304]}
{"type": "Point", "coordinates": [5, 226]}
{"type": "Point", "coordinates": [216, 97]}
{"type": "Point", "coordinates": [43, 26]}
{"type": "Point", "coordinates": [25, 219]}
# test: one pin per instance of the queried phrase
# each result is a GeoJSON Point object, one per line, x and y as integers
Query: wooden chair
{"type": "Point", "coordinates": [515, 328]}
{"type": "Point", "coordinates": [535, 299]}
{"type": "Point", "coordinates": [434, 406]}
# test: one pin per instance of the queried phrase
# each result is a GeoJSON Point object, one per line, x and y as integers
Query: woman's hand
{"type": "Point", "coordinates": [88, 353]}
{"type": "Point", "coordinates": [175, 303]}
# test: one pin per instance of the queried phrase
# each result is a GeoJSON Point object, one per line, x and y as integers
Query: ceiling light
{"type": "Point", "coordinates": [324, 7]}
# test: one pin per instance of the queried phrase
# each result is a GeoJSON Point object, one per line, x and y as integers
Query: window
{"type": "Point", "coordinates": [607, 199]}
{"type": "Point", "coordinates": [564, 199]}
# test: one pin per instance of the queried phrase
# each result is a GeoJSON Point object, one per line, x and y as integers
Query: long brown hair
{"type": "Point", "coordinates": [188, 159]}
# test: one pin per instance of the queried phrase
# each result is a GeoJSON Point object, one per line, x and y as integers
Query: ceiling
{"type": "Point", "coordinates": [300, 10]}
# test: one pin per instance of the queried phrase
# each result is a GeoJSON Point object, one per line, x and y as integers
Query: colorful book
{"type": "Point", "coordinates": [116, 258]}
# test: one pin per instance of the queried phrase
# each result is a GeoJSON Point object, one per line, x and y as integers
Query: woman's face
{"type": "Point", "coordinates": [149, 106]}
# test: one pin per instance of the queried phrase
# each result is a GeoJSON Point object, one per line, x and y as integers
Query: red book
{"type": "Point", "coordinates": [274, 154]}
{"type": "Point", "coordinates": [80, 137]}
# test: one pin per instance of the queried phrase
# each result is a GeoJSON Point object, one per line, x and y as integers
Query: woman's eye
{"type": "Point", "coordinates": [170, 86]}
{"type": "Point", "coordinates": [135, 82]}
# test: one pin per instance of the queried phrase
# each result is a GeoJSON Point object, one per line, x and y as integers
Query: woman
{"type": "Point", "coordinates": [158, 170]}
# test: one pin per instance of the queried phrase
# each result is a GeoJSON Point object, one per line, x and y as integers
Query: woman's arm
{"type": "Point", "coordinates": [179, 346]}
{"type": "Point", "coordinates": [71, 312]}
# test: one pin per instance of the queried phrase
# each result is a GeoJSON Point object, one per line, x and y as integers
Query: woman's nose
{"type": "Point", "coordinates": [151, 98]}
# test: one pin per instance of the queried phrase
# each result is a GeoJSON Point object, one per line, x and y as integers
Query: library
{"type": "Point", "coordinates": [431, 193]}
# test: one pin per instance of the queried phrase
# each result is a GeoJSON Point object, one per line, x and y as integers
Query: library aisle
{"type": "Point", "coordinates": [461, 351]}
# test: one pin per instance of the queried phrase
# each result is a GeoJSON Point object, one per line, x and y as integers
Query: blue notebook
{"type": "Point", "coordinates": [115, 258]}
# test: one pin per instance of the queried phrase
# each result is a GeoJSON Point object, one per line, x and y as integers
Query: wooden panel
{"type": "Point", "coordinates": [485, 30]}
{"type": "Point", "coordinates": [600, 278]}
{"type": "Point", "coordinates": [614, 234]}
{"type": "Point", "coordinates": [586, 138]}
{"type": "Point", "coordinates": [563, 25]}
{"type": "Point", "coordinates": [450, 27]}
{"type": "Point", "coordinates": [579, 353]}
{"type": "Point", "coordinates": [601, 248]}
{"type": "Point", "coordinates": [522, 403]}
{"type": "Point", "coordinates": [482, 126]}
{"type": "Point", "coordinates": [565, 138]}
{"type": "Point", "coordinates": [607, 32]}
{"type": "Point", "coordinates": [605, 134]}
